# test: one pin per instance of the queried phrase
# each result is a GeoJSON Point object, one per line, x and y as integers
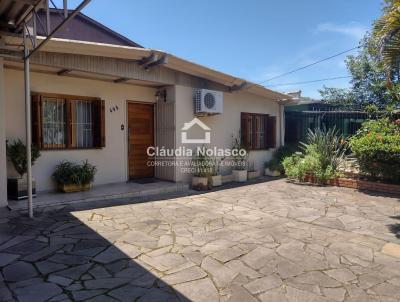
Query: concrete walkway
{"type": "Point", "coordinates": [271, 241]}
{"type": "Point", "coordinates": [132, 190]}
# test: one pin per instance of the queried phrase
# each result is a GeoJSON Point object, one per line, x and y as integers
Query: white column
{"type": "Point", "coordinates": [3, 158]}
{"type": "Point", "coordinates": [28, 125]}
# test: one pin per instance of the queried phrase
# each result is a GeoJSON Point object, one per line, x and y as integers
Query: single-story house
{"type": "Point", "coordinates": [99, 96]}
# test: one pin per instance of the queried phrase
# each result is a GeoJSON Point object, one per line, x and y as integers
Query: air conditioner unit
{"type": "Point", "coordinates": [207, 102]}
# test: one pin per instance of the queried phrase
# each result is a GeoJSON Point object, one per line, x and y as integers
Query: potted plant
{"type": "Point", "coordinates": [252, 172]}
{"type": "Point", "coordinates": [17, 187]}
{"type": "Point", "coordinates": [239, 161]}
{"type": "Point", "coordinates": [216, 177]}
{"type": "Point", "coordinates": [272, 168]}
{"type": "Point", "coordinates": [201, 173]}
{"type": "Point", "coordinates": [72, 177]}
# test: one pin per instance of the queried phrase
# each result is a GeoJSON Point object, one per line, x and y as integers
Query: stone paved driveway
{"type": "Point", "coordinates": [269, 241]}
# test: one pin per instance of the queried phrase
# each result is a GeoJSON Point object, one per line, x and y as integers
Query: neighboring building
{"type": "Point", "coordinates": [97, 95]}
{"type": "Point", "coordinates": [301, 103]}
{"type": "Point", "coordinates": [82, 28]}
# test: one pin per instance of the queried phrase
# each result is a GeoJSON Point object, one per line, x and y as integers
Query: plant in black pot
{"type": "Point", "coordinates": [73, 177]}
{"type": "Point", "coordinates": [17, 187]}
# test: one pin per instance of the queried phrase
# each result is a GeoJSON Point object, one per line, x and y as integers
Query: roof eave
{"type": "Point", "coordinates": [136, 53]}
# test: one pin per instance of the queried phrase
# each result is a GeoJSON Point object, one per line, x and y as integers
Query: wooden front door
{"type": "Point", "coordinates": [140, 137]}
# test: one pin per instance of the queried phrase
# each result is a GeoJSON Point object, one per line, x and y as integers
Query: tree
{"type": "Point", "coordinates": [387, 31]}
{"type": "Point", "coordinates": [375, 70]}
{"type": "Point", "coordinates": [368, 80]}
{"type": "Point", "coordinates": [339, 97]}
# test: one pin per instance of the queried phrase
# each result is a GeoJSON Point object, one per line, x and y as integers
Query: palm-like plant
{"type": "Point", "coordinates": [328, 145]}
{"type": "Point", "coordinates": [387, 31]}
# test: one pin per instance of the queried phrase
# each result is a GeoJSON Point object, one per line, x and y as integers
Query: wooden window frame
{"type": "Point", "coordinates": [98, 118]}
{"type": "Point", "coordinates": [269, 130]}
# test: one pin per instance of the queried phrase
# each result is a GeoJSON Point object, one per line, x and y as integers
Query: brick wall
{"type": "Point", "coordinates": [360, 184]}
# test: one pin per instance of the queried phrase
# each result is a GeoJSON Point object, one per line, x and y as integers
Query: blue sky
{"type": "Point", "coordinates": [253, 39]}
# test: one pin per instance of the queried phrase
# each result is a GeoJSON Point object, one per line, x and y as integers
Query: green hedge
{"type": "Point", "coordinates": [377, 148]}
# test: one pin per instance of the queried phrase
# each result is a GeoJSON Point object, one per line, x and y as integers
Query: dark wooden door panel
{"type": "Point", "coordinates": [141, 136]}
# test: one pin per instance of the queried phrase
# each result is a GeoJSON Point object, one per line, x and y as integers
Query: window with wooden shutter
{"type": "Point", "coordinates": [67, 122]}
{"type": "Point", "coordinates": [258, 131]}
{"type": "Point", "coordinates": [99, 139]}
{"type": "Point", "coordinates": [36, 121]}
{"type": "Point", "coordinates": [244, 131]}
{"type": "Point", "coordinates": [271, 132]}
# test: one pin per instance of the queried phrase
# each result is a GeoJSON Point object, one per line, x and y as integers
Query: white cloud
{"type": "Point", "coordinates": [353, 29]}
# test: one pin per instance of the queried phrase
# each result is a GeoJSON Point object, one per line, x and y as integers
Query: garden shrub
{"type": "Point", "coordinates": [275, 164]}
{"type": "Point", "coordinates": [322, 156]}
{"type": "Point", "coordinates": [296, 166]}
{"type": "Point", "coordinates": [377, 149]}
{"type": "Point", "coordinates": [328, 146]}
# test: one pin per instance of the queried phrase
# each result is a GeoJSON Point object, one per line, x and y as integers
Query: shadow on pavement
{"type": "Point", "coordinates": [395, 227]}
{"type": "Point", "coordinates": [56, 257]}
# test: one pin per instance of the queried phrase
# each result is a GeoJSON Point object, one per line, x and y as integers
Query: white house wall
{"type": "Point", "coordinates": [226, 125]}
{"type": "Point", "coordinates": [111, 161]}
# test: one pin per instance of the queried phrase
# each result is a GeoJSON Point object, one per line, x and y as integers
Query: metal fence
{"type": "Point", "coordinates": [298, 122]}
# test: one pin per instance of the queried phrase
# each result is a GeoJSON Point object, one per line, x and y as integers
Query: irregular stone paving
{"type": "Point", "coordinates": [270, 241]}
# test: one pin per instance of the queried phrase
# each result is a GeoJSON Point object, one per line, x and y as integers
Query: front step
{"type": "Point", "coordinates": [102, 193]}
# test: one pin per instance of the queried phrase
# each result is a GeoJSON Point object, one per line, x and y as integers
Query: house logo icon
{"type": "Point", "coordinates": [187, 126]}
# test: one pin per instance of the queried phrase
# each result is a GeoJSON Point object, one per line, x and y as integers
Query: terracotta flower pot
{"type": "Point", "coordinates": [69, 188]}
